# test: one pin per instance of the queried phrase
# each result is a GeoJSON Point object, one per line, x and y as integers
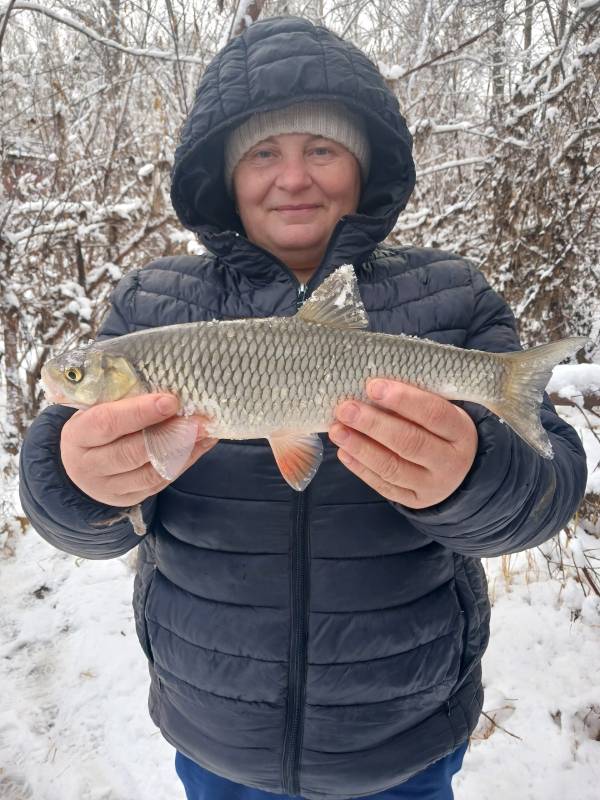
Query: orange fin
{"type": "Point", "coordinates": [169, 445]}
{"type": "Point", "coordinates": [298, 456]}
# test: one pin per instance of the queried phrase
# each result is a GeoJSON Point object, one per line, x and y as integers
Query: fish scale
{"type": "Point", "coordinates": [301, 370]}
{"type": "Point", "coordinates": [282, 377]}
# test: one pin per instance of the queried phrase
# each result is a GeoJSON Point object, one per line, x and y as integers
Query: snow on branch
{"type": "Point", "coordinates": [588, 5]}
{"type": "Point", "coordinates": [247, 12]}
{"type": "Point", "coordinates": [91, 34]}
{"type": "Point", "coordinates": [96, 216]}
{"type": "Point", "coordinates": [462, 162]}
{"type": "Point", "coordinates": [465, 126]}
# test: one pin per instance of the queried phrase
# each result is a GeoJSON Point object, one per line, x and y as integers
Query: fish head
{"type": "Point", "coordinates": [87, 376]}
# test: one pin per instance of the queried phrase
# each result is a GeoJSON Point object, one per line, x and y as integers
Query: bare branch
{"type": "Point", "coordinates": [6, 15]}
{"type": "Point", "coordinates": [103, 40]}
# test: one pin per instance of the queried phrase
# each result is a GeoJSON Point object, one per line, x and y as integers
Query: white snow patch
{"type": "Point", "coordinates": [76, 724]}
{"type": "Point", "coordinates": [147, 169]}
{"type": "Point", "coordinates": [571, 380]}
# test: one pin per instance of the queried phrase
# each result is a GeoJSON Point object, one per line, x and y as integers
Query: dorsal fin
{"type": "Point", "coordinates": [336, 302]}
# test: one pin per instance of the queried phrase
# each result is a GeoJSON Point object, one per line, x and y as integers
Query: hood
{"type": "Point", "coordinates": [276, 62]}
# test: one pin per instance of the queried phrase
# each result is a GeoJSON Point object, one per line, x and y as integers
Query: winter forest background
{"type": "Point", "coordinates": [503, 100]}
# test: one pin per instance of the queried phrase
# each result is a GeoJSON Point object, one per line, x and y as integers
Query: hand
{"type": "Point", "coordinates": [412, 446]}
{"type": "Point", "coordinates": [104, 454]}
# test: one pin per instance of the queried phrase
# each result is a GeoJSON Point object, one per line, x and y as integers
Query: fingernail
{"type": "Point", "coordinates": [338, 433]}
{"type": "Point", "coordinates": [348, 412]}
{"type": "Point", "coordinates": [167, 405]}
{"type": "Point", "coordinates": [377, 389]}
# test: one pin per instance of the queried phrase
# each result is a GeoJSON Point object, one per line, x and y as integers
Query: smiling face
{"type": "Point", "coordinates": [290, 191]}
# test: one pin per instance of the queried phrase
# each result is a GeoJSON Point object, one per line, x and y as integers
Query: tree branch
{"type": "Point", "coordinates": [80, 28]}
{"type": "Point", "coordinates": [6, 14]}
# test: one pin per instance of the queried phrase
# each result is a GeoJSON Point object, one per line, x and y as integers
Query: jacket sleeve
{"type": "Point", "coordinates": [59, 511]}
{"type": "Point", "coordinates": [512, 498]}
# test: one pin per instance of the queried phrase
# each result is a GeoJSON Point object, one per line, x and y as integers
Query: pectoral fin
{"type": "Point", "coordinates": [169, 445]}
{"type": "Point", "coordinates": [298, 456]}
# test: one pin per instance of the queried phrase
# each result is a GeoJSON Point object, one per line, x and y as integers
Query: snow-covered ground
{"type": "Point", "coordinates": [73, 716]}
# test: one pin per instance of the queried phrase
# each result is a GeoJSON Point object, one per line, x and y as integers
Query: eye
{"type": "Point", "coordinates": [73, 374]}
{"type": "Point", "coordinates": [322, 150]}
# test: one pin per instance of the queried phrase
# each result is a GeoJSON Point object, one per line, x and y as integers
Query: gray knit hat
{"type": "Point", "coordinates": [332, 120]}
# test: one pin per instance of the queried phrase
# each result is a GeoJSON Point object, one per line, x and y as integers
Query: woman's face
{"type": "Point", "coordinates": [291, 190]}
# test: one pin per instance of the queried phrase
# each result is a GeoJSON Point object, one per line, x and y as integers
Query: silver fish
{"type": "Point", "coordinates": [281, 377]}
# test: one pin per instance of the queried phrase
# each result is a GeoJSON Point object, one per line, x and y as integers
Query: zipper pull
{"type": "Point", "coordinates": [301, 295]}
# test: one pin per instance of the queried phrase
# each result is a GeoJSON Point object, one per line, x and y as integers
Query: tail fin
{"type": "Point", "coordinates": [528, 375]}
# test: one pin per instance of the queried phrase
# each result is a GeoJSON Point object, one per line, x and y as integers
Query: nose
{"type": "Point", "coordinates": [293, 175]}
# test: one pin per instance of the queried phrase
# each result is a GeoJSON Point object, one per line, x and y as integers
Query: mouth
{"type": "Point", "coordinates": [303, 207]}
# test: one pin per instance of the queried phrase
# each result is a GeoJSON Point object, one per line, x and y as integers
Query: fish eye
{"type": "Point", "coordinates": [73, 374]}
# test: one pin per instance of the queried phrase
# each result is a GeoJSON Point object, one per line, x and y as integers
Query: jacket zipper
{"type": "Point", "coordinates": [299, 577]}
{"type": "Point", "coordinates": [302, 289]}
{"type": "Point", "coordinates": [301, 296]}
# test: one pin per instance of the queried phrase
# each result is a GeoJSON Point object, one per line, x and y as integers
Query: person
{"type": "Point", "coordinates": [324, 644]}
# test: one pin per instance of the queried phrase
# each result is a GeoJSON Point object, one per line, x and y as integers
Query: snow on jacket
{"type": "Point", "coordinates": [324, 643]}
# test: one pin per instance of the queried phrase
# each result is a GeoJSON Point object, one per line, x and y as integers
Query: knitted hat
{"type": "Point", "coordinates": [333, 120]}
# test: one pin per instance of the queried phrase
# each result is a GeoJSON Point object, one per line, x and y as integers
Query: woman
{"type": "Point", "coordinates": [325, 644]}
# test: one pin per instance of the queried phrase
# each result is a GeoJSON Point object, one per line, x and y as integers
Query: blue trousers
{"type": "Point", "coordinates": [433, 783]}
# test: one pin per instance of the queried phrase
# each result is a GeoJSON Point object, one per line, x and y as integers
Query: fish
{"type": "Point", "coordinates": [280, 378]}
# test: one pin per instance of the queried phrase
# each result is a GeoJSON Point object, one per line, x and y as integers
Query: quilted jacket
{"type": "Point", "coordinates": [324, 643]}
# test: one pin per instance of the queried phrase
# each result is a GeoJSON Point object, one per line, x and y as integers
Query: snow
{"type": "Point", "coordinates": [147, 169]}
{"type": "Point", "coordinates": [587, 4]}
{"type": "Point", "coordinates": [539, 674]}
{"type": "Point", "coordinates": [76, 726]}
{"type": "Point", "coordinates": [570, 380]}
{"type": "Point", "coordinates": [593, 48]}
{"type": "Point", "coordinates": [74, 723]}
{"type": "Point", "coordinates": [391, 71]}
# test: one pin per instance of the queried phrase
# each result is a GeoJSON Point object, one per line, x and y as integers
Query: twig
{"type": "Point", "coordinates": [91, 34]}
{"type": "Point", "coordinates": [497, 725]}
{"type": "Point", "coordinates": [5, 21]}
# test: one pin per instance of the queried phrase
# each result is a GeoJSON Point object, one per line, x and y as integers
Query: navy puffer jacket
{"type": "Point", "coordinates": [324, 643]}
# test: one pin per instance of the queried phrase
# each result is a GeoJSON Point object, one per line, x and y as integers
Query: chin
{"type": "Point", "coordinates": [299, 239]}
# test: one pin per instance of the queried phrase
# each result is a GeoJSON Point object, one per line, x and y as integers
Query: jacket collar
{"type": "Point", "coordinates": [352, 241]}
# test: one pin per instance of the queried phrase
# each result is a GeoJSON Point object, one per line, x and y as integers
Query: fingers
{"type": "Point", "coordinates": [136, 485]}
{"type": "Point", "coordinates": [108, 422]}
{"type": "Point", "coordinates": [117, 471]}
{"type": "Point", "coordinates": [410, 446]}
{"type": "Point", "coordinates": [409, 441]}
{"type": "Point", "coordinates": [381, 461]}
{"type": "Point", "coordinates": [128, 453]}
{"type": "Point", "coordinates": [432, 412]}
{"type": "Point", "coordinates": [398, 494]}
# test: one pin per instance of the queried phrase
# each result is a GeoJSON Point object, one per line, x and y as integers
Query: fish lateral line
{"type": "Point", "coordinates": [333, 318]}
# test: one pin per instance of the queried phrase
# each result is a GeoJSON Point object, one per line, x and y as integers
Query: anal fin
{"type": "Point", "coordinates": [298, 456]}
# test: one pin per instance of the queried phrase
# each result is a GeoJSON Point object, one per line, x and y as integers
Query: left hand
{"type": "Point", "coordinates": [413, 447]}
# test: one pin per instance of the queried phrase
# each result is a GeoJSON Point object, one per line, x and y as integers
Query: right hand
{"type": "Point", "coordinates": [103, 452]}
